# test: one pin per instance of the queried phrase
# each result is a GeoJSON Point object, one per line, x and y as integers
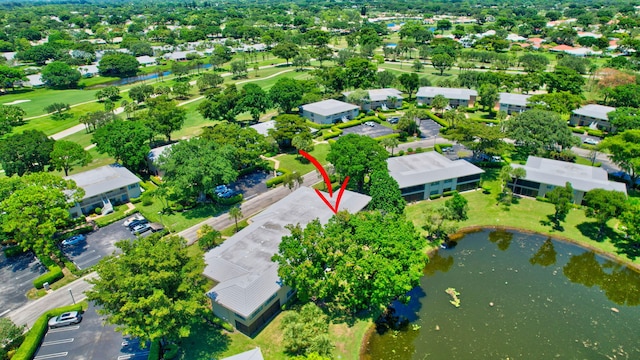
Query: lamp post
{"type": "Point", "coordinates": [72, 298]}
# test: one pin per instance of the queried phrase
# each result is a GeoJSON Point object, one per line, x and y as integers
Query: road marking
{"type": "Point", "coordinates": [56, 342]}
{"type": "Point", "coordinates": [68, 328]}
{"type": "Point", "coordinates": [4, 312]}
{"type": "Point", "coordinates": [131, 356]}
{"type": "Point", "coordinates": [51, 356]}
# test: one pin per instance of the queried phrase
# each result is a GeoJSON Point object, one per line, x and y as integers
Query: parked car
{"type": "Point", "coordinates": [135, 217]}
{"type": "Point", "coordinates": [141, 228]}
{"type": "Point", "coordinates": [370, 123]}
{"type": "Point", "coordinates": [226, 194]}
{"type": "Point", "coordinates": [221, 188]}
{"type": "Point", "coordinates": [135, 223]}
{"type": "Point", "coordinates": [393, 120]}
{"type": "Point", "coordinates": [65, 319]}
{"type": "Point", "coordinates": [74, 240]}
{"type": "Point", "coordinates": [590, 141]}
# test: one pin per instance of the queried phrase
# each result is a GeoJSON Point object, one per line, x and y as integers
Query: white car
{"type": "Point", "coordinates": [590, 141]}
{"type": "Point", "coordinates": [370, 123]}
{"type": "Point", "coordinates": [135, 217]}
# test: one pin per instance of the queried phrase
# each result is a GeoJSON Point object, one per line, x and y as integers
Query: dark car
{"type": "Point", "coordinates": [393, 120]}
{"type": "Point", "coordinates": [65, 319]}
{"type": "Point", "coordinates": [136, 223]}
{"type": "Point", "coordinates": [74, 240]}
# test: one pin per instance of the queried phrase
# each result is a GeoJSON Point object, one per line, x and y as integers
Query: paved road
{"type": "Point", "coordinates": [29, 313]}
{"type": "Point", "coordinates": [16, 278]}
{"type": "Point", "coordinates": [248, 208]}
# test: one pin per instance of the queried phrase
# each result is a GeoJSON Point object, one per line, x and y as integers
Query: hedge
{"type": "Point", "coordinates": [171, 352]}
{"type": "Point", "coordinates": [449, 193]}
{"type": "Point", "coordinates": [54, 274]}
{"type": "Point", "coordinates": [437, 119]}
{"type": "Point", "coordinates": [154, 351]}
{"type": "Point", "coordinates": [595, 132]}
{"type": "Point", "coordinates": [135, 200]}
{"type": "Point", "coordinates": [382, 117]}
{"type": "Point", "coordinates": [278, 179]}
{"type": "Point", "coordinates": [230, 201]}
{"type": "Point", "coordinates": [439, 147]}
{"type": "Point", "coordinates": [33, 338]}
{"type": "Point", "coordinates": [435, 196]}
{"type": "Point", "coordinates": [388, 136]}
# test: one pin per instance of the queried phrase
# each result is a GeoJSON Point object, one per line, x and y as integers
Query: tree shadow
{"type": "Point", "coordinates": [592, 230]}
{"type": "Point", "coordinates": [207, 341]}
{"type": "Point", "coordinates": [553, 223]}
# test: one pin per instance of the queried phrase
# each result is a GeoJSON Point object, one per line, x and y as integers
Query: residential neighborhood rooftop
{"type": "Point", "coordinates": [329, 107]}
{"type": "Point", "coordinates": [594, 111]}
{"type": "Point", "coordinates": [103, 179]}
{"type": "Point", "coordinates": [428, 167]}
{"type": "Point", "coordinates": [263, 127]}
{"type": "Point", "coordinates": [242, 265]}
{"type": "Point", "coordinates": [449, 93]}
{"type": "Point", "coordinates": [381, 94]}
{"type": "Point", "coordinates": [558, 173]}
{"type": "Point", "coordinates": [513, 99]}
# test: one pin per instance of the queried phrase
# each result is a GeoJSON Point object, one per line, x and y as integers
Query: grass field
{"type": "Point", "coordinates": [297, 163]}
{"type": "Point", "coordinates": [41, 98]}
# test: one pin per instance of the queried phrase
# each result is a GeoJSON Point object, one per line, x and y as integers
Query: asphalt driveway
{"type": "Point", "coordinates": [253, 184]}
{"type": "Point", "coordinates": [90, 339]}
{"type": "Point", "coordinates": [429, 128]}
{"type": "Point", "coordinates": [16, 278]}
{"type": "Point", "coordinates": [374, 131]}
{"type": "Point", "coordinates": [99, 244]}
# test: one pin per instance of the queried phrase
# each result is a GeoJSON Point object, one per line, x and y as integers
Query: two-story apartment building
{"type": "Point", "coordinates": [512, 103]}
{"type": "Point", "coordinates": [387, 98]}
{"type": "Point", "coordinates": [329, 111]}
{"type": "Point", "coordinates": [457, 96]}
{"type": "Point", "coordinates": [592, 115]}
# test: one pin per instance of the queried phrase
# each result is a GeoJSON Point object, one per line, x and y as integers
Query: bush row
{"type": "Point", "coordinates": [54, 274]}
{"type": "Point", "coordinates": [32, 339]}
{"type": "Point", "coordinates": [388, 136]}
{"type": "Point", "coordinates": [439, 147]}
{"type": "Point", "coordinates": [111, 218]}
{"type": "Point", "coordinates": [278, 179]}
{"type": "Point", "coordinates": [437, 119]}
{"type": "Point", "coordinates": [590, 132]}
{"type": "Point", "coordinates": [230, 201]}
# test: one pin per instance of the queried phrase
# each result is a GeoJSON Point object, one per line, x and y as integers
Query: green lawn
{"type": "Point", "coordinates": [96, 80]}
{"type": "Point", "coordinates": [50, 126]}
{"type": "Point", "coordinates": [297, 163]}
{"type": "Point", "coordinates": [178, 221]}
{"type": "Point", "coordinates": [527, 214]}
{"type": "Point", "coordinates": [41, 98]}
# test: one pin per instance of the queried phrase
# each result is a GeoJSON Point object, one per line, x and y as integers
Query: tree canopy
{"type": "Point", "coordinates": [625, 152]}
{"type": "Point", "coordinates": [125, 141]}
{"type": "Point", "coordinates": [385, 193]}
{"type": "Point", "coordinates": [354, 262]}
{"type": "Point", "coordinates": [164, 116]}
{"type": "Point", "coordinates": [66, 154]}
{"type": "Point", "coordinates": [286, 94]}
{"type": "Point", "coordinates": [59, 75]}
{"type": "Point", "coordinates": [249, 144]}
{"type": "Point", "coordinates": [538, 131]}
{"type": "Point", "coordinates": [603, 205]}
{"type": "Point", "coordinates": [27, 152]}
{"type": "Point", "coordinates": [118, 64]}
{"type": "Point", "coordinates": [357, 156]}
{"type": "Point", "coordinates": [153, 290]}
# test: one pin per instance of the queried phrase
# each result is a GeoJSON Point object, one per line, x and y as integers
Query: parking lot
{"type": "Point", "coordinates": [90, 339]}
{"type": "Point", "coordinates": [374, 131]}
{"type": "Point", "coordinates": [253, 184]}
{"type": "Point", "coordinates": [16, 278]}
{"type": "Point", "coordinates": [429, 128]}
{"type": "Point", "coordinates": [98, 245]}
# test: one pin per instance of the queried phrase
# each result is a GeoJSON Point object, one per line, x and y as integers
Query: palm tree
{"type": "Point", "coordinates": [236, 214]}
{"type": "Point", "coordinates": [390, 143]}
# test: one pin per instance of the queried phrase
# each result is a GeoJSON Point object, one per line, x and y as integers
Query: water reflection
{"type": "Point", "coordinates": [502, 238]}
{"type": "Point", "coordinates": [546, 255]}
{"type": "Point", "coordinates": [437, 262]}
{"type": "Point", "coordinates": [619, 283]}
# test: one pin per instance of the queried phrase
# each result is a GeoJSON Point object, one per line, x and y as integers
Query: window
{"type": "Point", "coordinates": [412, 189]}
{"type": "Point", "coordinates": [448, 181]}
{"type": "Point", "coordinates": [435, 183]}
{"type": "Point", "coordinates": [133, 186]}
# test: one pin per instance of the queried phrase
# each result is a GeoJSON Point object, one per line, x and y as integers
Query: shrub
{"type": "Point", "coordinates": [439, 147]}
{"type": "Point", "coordinates": [54, 274]}
{"type": "Point", "coordinates": [278, 179]}
{"type": "Point", "coordinates": [347, 124]}
{"type": "Point", "coordinates": [13, 251]}
{"type": "Point", "coordinates": [135, 200]}
{"type": "Point", "coordinates": [33, 338]}
{"type": "Point", "coordinates": [394, 135]}
{"type": "Point", "coordinates": [73, 268]}
{"type": "Point", "coordinates": [437, 119]}
{"type": "Point", "coordinates": [146, 201]}
{"type": "Point", "coordinates": [449, 193]}
{"type": "Point", "coordinates": [154, 351]}
{"type": "Point", "coordinates": [401, 152]}
{"type": "Point", "coordinates": [595, 132]}
{"type": "Point", "coordinates": [435, 196]}
{"type": "Point", "coordinates": [419, 150]}
{"type": "Point", "coordinates": [156, 180]}
{"type": "Point", "coordinates": [371, 113]}
{"type": "Point", "coordinates": [171, 352]}
{"type": "Point", "coordinates": [491, 164]}
{"type": "Point", "coordinates": [98, 210]}
{"type": "Point", "coordinates": [409, 150]}
{"type": "Point", "coordinates": [542, 199]}
{"type": "Point", "coordinates": [230, 201]}
{"type": "Point", "coordinates": [382, 117]}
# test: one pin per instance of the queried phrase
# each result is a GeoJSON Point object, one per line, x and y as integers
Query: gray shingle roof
{"type": "Point", "coordinates": [242, 264]}
{"type": "Point", "coordinates": [329, 107]}
{"type": "Point", "coordinates": [428, 167]}
{"type": "Point", "coordinates": [449, 93]}
{"type": "Point", "coordinates": [595, 111]}
{"type": "Point", "coordinates": [513, 99]}
{"type": "Point", "coordinates": [558, 173]}
{"type": "Point", "coordinates": [103, 179]}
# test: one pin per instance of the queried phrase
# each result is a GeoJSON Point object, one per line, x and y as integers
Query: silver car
{"type": "Point", "coordinates": [65, 319]}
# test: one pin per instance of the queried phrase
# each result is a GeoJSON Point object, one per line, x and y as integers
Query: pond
{"type": "Point", "coordinates": [522, 296]}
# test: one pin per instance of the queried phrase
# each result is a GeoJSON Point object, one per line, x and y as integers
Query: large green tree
{"type": "Point", "coordinates": [603, 205]}
{"type": "Point", "coordinates": [59, 75]}
{"type": "Point", "coordinates": [538, 131]}
{"type": "Point", "coordinates": [10, 116]}
{"type": "Point", "coordinates": [561, 198]}
{"type": "Point", "coordinates": [195, 167]}
{"type": "Point", "coordinates": [164, 116]}
{"type": "Point", "coordinates": [118, 64]}
{"type": "Point", "coordinates": [221, 105]}
{"type": "Point", "coordinates": [125, 141]}
{"type": "Point", "coordinates": [286, 94]}
{"type": "Point", "coordinates": [67, 154]}
{"type": "Point", "coordinates": [354, 262]}
{"type": "Point", "coordinates": [624, 118]}
{"type": "Point", "coordinates": [385, 193]}
{"type": "Point", "coordinates": [286, 50]}
{"type": "Point", "coordinates": [489, 96]}
{"type": "Point", "coordinates": [410, 83]}
{"type": "Point", "coordinates": [306, 331]}
{"type": "Point", "coordinates": [360, 73]}
{"type": "Point", "coordinates": [442, 62]}
{"type": "Point", "coordinates": [286, 127]}
{"type": "Point", "coordinates": [254, 100]}
{"type": "Point", "coordinates": [27, 152]}
{"type": "Point", "coordinates": [625, 152]}
{"type": "Point", "coordinates": [357, 156]}
{"type": "Point", "coordinates": [153, 290]}
{"type": "Point", "coordinates": [35, 207]}
{"type": "Point", "coordinates": [565, 79]}
{"type": "Point", "coordinates": [9, 76]}
{"type": "Point", "coordinates": [249, 144]}
{"type": "Point", "coordinates": [562, 102]}
{"type": "Point", "coordinates": [533, 62]}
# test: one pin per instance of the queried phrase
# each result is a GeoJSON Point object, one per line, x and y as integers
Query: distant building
{"type": "Point", "coordinates": [457, 96]}
{"type": "Point", "coordinates": [34, 80]}
{"type": "Point", "coordinates": [543, 175]}
{"type": "Point", "coordinates": [592, 115]}
{"type": "Point", "coordinates": [249, 291]}
{"type": "Point", "coordinates": [422, 175]}
{"type": "Point", "coordinates": [152, 159]}
{"type": "Point", "coordinates": [329, 111]}
{"type": "Point", "coordinates": [263, 127]}
{"type": "Point", "coordinates": [381, 98]}
{"type": "Point", "coordinates": [103, 187]}
{"type": "Point", "coordinates": [89, 70]}
{"type": "Point", "coordinates": [146, 60]}
{"type": "Point", "coordinates": [512, 103]}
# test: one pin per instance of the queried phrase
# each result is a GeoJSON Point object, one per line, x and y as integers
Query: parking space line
{"type": "Point", "coordinates": [57, 342]}
{"type": "Point", "coordinates": [51, 356]}
{"type": "Point", "coordinates": [68, 328]}
{"type": "Point", "coordinates": [4, 312]}
{"type": "Point", "coordinates": [131, 356]}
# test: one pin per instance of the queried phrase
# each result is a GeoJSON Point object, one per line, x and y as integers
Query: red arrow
{"type": "Point", "coordinates": [327, 181]}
